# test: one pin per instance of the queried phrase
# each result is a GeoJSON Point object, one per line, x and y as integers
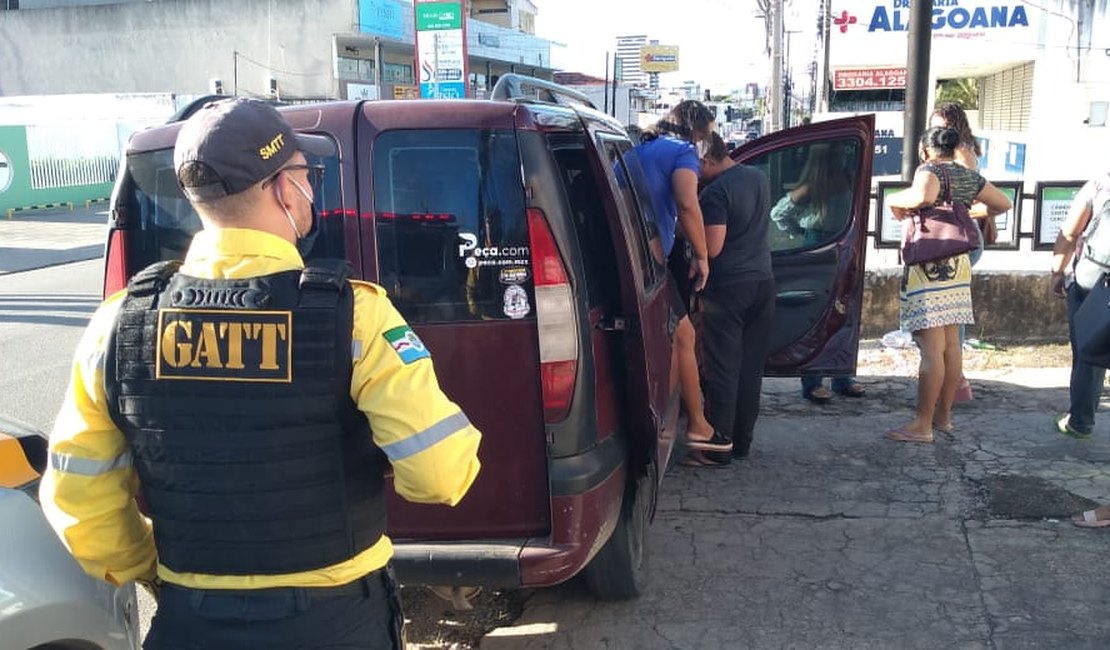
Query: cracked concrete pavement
{"type": "Point", "coordinates": [832, 537]}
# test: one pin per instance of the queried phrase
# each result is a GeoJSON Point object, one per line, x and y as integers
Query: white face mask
{"type": "Point", "coordinates": [288, 214]}
{"type": "Point", "coordinates": [702, 148]}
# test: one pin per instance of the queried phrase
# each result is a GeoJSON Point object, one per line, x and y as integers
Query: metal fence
{"type": "Point", "coordinates": [70, 155]}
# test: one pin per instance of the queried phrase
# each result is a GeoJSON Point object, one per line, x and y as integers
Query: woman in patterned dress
{"type": "Point", "coordinates": [936, 296]}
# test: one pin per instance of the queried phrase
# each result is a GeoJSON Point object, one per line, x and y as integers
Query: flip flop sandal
{"type": "Point", "coordinates": [946, 429]}
{"type": "Point", "coordinates": [699, 460]}
{"type": "Point", "coordinates": [715, 443]}
{"type": "Point", "coordinates": [901, 435]}
{"type": "Point", "coordinates": [1090, 520]}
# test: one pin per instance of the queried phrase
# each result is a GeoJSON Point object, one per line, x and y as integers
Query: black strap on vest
{"type": "Point", "coordinates": [322, 282]}
{"type": "Point", "coordinates": [143, 289]}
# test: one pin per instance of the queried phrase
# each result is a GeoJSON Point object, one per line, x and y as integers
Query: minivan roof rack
{"type": "Point", "coordinates": [511, 87]}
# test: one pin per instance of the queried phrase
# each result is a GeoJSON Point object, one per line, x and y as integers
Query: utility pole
{"type": "Point", "coordinates": [606, 86]}
{"type": "Point", "coordinates": [917, 83]}
{"type": "Point", "coordinates": [826, 20]}
{"type": "Point", "coordinates": [777, 103]}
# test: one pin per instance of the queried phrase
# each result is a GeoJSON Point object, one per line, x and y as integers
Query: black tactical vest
{"type": "Point", "coordinates": [234, 396]}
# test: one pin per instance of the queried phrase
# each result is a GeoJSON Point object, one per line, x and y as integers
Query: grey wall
{"type": "Point", "coordinates": [44, 4]}
{"type": "Point", "coordinates": [173, 47]}
{"type": "Point", "coordinates": [1010, 306]}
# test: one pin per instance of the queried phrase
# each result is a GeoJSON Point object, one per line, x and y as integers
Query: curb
{"type": "Point", "coordinates": [89, 202]}
{"type": "Point", "coordinates": [44, 206]}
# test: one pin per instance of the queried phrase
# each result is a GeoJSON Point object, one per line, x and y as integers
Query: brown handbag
{"type": "Point", "coordinates": [939, 231]}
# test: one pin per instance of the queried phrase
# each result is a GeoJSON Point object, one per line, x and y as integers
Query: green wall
{"type": "Point", "coordinates": [20, 194]}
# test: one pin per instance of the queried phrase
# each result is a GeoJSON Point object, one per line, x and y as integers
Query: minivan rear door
{"type": "Point", "coordinates": [651, 320]}
{"type": "Point", "coordinates": [445, 220]}
{"type": "Point", "coordinates": [818, 263]}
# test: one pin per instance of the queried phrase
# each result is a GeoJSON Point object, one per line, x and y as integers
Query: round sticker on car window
{"type": "Point", "coordinates": [516, 302]}
{"type": "Point", "coordinates": [6, 172]}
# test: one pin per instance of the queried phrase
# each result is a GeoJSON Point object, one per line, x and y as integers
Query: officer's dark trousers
{"type": "Point", "coordinates": [362, 614]}
{"type": "Point", "coordinates": [736, 322]}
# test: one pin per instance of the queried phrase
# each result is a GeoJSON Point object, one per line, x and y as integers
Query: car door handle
{"type": "Point", "coordinates": [795, 297]}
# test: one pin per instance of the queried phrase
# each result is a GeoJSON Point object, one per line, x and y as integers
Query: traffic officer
{"type": "Point", "coordinates": [255, 404]}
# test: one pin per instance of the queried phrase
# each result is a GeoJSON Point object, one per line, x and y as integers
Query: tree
{"type": "Point", "coordinates": [964, 92]}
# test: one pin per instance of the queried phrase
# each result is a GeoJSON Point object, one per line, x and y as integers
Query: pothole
{"type": "Point", "coordinates": [1012, 496]}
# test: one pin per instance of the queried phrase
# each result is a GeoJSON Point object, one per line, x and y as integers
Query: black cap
{"type": "Point", "coordinates": [242, 142]}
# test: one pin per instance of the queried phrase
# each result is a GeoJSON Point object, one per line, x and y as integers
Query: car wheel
{"type": "Point", "coordinates": [617, 571]}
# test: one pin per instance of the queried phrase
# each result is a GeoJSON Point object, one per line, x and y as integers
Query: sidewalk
{"type": "Point", "coordinates": [832, 537]}
{"type": "Point", "coordinates": [32, 240]}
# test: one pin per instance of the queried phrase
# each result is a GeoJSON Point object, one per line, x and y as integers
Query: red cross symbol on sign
{"type": "Point", "coordinates": [843, 20]}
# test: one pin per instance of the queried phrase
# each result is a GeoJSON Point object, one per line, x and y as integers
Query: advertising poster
{"type": "Point", "coordinates": [381, 17]}
{"type": "Point", "coordinates": [890, 229]}
{"type": "Point", "coordinates": [1053, 200]}
{"type": "Point", "coordinates": [362, 91]}
{"type": "Point", "coordinates": [441, 49]}
{"type": "Point", "coordinates": [1009, 222]}
{"type": "Point", "coordinates": [658, 58]}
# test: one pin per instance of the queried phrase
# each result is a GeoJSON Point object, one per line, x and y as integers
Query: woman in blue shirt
{"type": "Point", "coordinates": [669, 155]}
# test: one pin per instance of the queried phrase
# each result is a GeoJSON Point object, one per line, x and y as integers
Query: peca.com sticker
{"type": "Point", "coordinates": [474, 255]}
{"type": "Point", "coordinates": [6, 172]}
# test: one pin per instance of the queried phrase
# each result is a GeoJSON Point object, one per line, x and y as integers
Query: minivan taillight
{"type": "Point", "coordinates": [555, 320]}
{"type": "Point", "coordinates": [115, 269]}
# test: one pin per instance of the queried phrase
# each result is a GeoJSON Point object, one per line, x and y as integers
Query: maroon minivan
{"type": "Point", "coordinates": [515, 235]}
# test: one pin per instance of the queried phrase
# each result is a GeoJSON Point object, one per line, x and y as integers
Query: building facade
{"type": "Point", "coordinates": [628, 53]}
{"type": "Point", "coordinates": [290, 49]}
{"type": "Point", "coordinates": [1042, 70]}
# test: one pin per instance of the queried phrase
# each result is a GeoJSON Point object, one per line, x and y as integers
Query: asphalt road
{"type": "Point", "coordinates": [42, 315]}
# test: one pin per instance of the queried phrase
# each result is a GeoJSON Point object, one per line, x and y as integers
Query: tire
{"type": "Point", "coordinates": [617, 572]}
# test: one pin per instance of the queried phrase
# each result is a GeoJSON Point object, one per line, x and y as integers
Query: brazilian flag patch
{"type": "Point", "coordinates": [406, 344]}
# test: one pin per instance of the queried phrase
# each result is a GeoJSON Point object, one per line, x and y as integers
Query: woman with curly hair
{"type": "Point", "coordinates": [816, 209]}
{"type": "Point", "coordinates": [669, 153]}
{"type": "Point", "coordinates": [951, 115]}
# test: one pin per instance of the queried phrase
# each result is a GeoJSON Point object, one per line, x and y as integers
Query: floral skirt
{"type": "Point", "coordinates": [935, 294]}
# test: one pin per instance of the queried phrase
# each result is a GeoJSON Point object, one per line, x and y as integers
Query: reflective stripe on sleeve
{"type": "Point", "coordinates": [88, 467]}
{"type": "Point", "coordinates": [420, 441]}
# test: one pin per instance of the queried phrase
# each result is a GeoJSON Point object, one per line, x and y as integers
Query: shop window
{"type": "Point", "coordinates": [351, 69]}
{"type": "Point", "coordinates": [396, 73]}
{"type": "Point", "coordinates": [1096, 116]}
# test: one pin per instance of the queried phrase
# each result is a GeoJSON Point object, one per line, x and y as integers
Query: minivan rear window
{"type": "Point", "coordinates": [159, 221]}
{"type": "Point", "coordinates": [452, 232]}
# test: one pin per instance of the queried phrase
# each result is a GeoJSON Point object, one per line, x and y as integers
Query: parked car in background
{"type": "Point", "coordinates": [46, 600]}
{"type": "Point", "coordinates": [517, 236]}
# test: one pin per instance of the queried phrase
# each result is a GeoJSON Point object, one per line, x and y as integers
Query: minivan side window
{"type": "Point", "coordinates": [591, 224]}
{"type": "Point", "coordinates": [162, 222]}
{"type": "Point", "coordinates": [812, 189]}
{"type": "Point", "coordinates": [634, 202]}
{"type": "Point", "coordinates": [452, 231]}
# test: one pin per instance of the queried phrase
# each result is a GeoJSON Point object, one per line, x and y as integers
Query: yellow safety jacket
{"type": "Point", "coordinates": [88, 491]}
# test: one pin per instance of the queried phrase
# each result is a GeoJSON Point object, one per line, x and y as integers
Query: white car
{"type": "Point", "coordinates": [46, 600]}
